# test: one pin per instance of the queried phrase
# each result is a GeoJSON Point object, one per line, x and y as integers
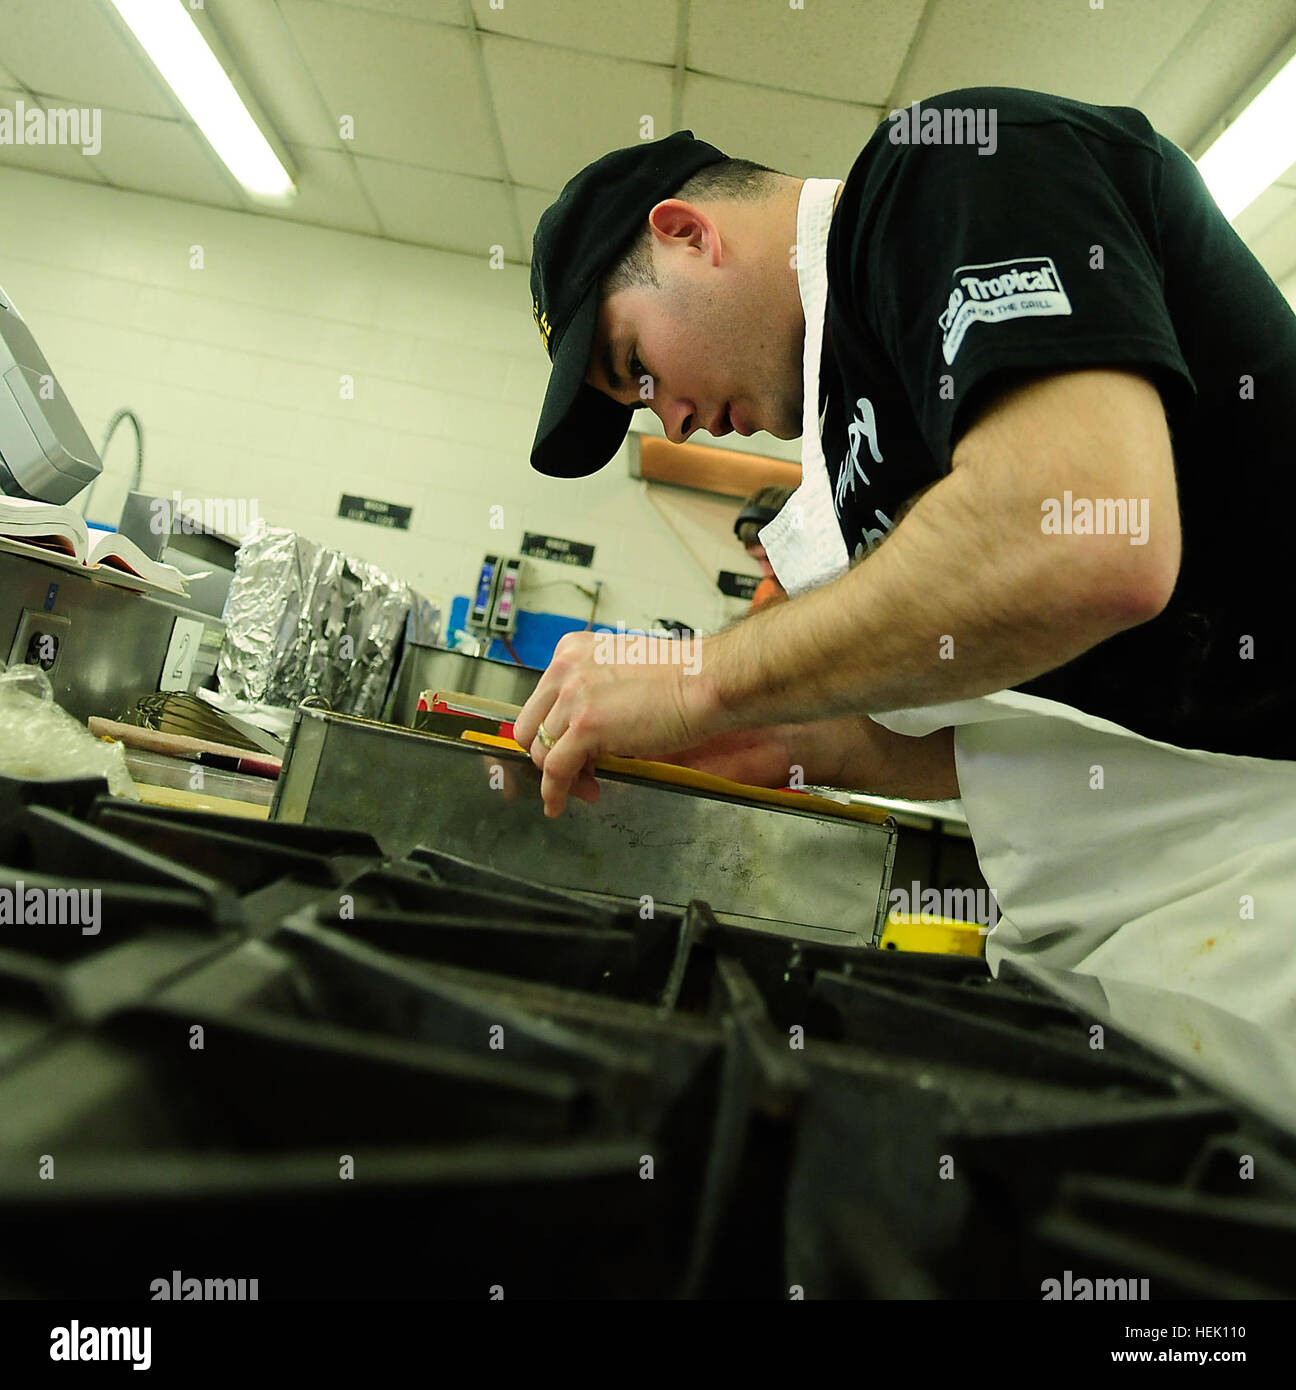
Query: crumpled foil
{"type": "Point", "coordinates": [302, 620]}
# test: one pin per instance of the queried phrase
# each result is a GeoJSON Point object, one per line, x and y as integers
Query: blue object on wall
{"type": "Point", "coordinates": [535, 639]}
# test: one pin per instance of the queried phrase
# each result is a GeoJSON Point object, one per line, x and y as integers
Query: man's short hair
{"type": "Point", "coordinates": [736, 179]}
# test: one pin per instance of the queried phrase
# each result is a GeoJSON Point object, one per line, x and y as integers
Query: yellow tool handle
{"type": "Point", "coordinates": [708, 782]}
{"type": "Point", "coordinates": [942, 936]}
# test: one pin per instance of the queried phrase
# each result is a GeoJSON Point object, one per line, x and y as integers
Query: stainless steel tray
{"type": "Point", "coordinates": [800, 873]}
{"type": "Point", "coordinates": [430, 668]}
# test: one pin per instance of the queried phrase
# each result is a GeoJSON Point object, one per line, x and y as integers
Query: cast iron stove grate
{"type": "Point", "coordinates": [543, 1092]}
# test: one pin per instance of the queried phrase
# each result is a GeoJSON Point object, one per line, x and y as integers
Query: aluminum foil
{"type": "Point", "coordinates": [302, 619]}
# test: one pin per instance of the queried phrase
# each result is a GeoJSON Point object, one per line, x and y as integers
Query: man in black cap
{"type": "Point", "coordinates": [1052, 380]}
{"type": "Point", "coordinates": [756, 513]}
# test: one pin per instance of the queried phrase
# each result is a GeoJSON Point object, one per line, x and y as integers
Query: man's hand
{"type": "Point", "coordinates": [968, 595]}
{"type": "Point", "coordinates": [591, 703]}
{"type": "Point", "coordinates": [627, 710]}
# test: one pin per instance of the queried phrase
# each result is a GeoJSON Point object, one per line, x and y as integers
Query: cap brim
{"type": "Point", "coordinates": [580, 428]}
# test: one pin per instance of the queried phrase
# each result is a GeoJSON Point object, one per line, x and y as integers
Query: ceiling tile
{"type": "Point", "coordinates": [166, 157]}
{"type": "Point", "coordinates": [265, 54]}
{"type": "Point", "coordinates": [843, 49]}
{"type": "Point", "coordinates": [437, 11]}
{"type": "Point", "coordinates": [66, 161]}
{"type": "Point", "coordinates": [531, 204]}
{"type": "Point", "coordinates": [1255, 218]}
{"type": "Point", "coordinates": [1288, 288]}
{"type": "Point", "coordinates": [1207, 72]}
{"type": "Point", "coordinates": [1266, 226]}
{"type": "Point", "coordinates": [412, 87]}
{"type": "Point", "coordinates": [1275, 247]}
{"type": "Point", "coordinates": [803, 136]}
{"type": "Point", "coordinates": [329, 192]}
{"type": "Point", "coordinates": [545, 140]}
{"type": "Point", "coordinates": [799, 89]}
{"type": "Point", "coordinates": [644, 31]}
{"type": "Point", "coordinates": [439, 209]}
{"type": "Point", "coordinates": [1104, 56]}
{"type": "Point", "coordinates": [80, 51]}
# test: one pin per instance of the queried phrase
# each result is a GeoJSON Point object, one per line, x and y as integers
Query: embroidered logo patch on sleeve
{"type": "Point", "coordinates": [1026, 287]}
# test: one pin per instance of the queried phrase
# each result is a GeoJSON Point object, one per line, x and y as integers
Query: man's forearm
{"type": "Point", "coordinates": [858, 754]}
{"type": "Point", "coordinates": [965, 597]}
{"type": "Point", "coordinates": [918, 769]}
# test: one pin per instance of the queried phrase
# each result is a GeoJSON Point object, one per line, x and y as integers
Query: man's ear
{"type": "Point", "coordinates": [676, 223]}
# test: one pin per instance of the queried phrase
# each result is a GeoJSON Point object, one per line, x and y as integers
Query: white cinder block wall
{"type": "Point", "coordinates": [236, 368]}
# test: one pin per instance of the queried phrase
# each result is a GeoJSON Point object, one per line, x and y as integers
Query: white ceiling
{"type": "Point", "coordinates": [469, 116]}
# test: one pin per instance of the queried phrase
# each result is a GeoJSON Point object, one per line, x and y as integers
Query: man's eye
{"type": "Point", "coordinates": [637, 368]}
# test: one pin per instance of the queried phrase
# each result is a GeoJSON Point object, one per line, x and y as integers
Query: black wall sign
{"type": "Point", "coordinates": [376, 513]}
{"type": "Point", "coordinates": [555, 548]}
{"type": "Point", "coordinates": [737, 585]}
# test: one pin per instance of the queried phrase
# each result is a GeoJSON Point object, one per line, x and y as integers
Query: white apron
{"type": "Point", "coordinates": [804, 543]}
{"type": "Point", "coordinates": [1108, 853]}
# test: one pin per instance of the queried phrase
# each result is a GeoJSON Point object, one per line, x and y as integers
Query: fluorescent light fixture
{"type": "Point", "coordinates": [180, 53]}
{"type": "Point", "coordinates": [1256, 148]}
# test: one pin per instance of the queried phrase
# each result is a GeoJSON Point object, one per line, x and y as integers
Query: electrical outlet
{"type": "Point", "coordinates": [39, 639]}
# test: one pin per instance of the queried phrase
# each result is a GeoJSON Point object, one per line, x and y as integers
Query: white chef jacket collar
{"type": "Point", "coordinates": [804, 542]}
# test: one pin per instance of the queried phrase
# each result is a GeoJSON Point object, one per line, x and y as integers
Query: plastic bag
{"type": "Point", "coordinates": [38, 738]}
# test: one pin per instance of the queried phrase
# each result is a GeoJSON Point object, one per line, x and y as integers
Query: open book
{"type": "Point", "coordinates": [59, 536]}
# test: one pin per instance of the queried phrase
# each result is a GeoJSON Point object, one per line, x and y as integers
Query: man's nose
{"type": "Point", "coordinates": [679, 419]}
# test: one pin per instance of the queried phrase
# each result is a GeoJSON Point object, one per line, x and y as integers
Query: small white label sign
{"type": "Point", "coordinates": [177, 669]}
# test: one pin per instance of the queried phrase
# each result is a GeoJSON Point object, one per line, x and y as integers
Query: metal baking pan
{"type": "Point", "coordinates": [801, 873]}
{"type": "Point", "coordinates": [431, 668]}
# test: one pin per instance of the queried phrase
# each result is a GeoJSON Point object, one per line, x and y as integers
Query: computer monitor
{"type": "Point", "coordinates": [45, 453]}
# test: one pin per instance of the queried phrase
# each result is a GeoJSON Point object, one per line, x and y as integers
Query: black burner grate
{"type": "Point", "coordinates": [543, 1091]}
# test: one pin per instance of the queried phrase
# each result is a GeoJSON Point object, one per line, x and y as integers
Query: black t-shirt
{"type": "Point", "coordinates": [1084, 240]}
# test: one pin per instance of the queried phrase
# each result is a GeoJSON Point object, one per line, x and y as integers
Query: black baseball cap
{"type": "Point", "coordinates": [577, 240]}
{"type": "Point", "coordinates": [753, 511]}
